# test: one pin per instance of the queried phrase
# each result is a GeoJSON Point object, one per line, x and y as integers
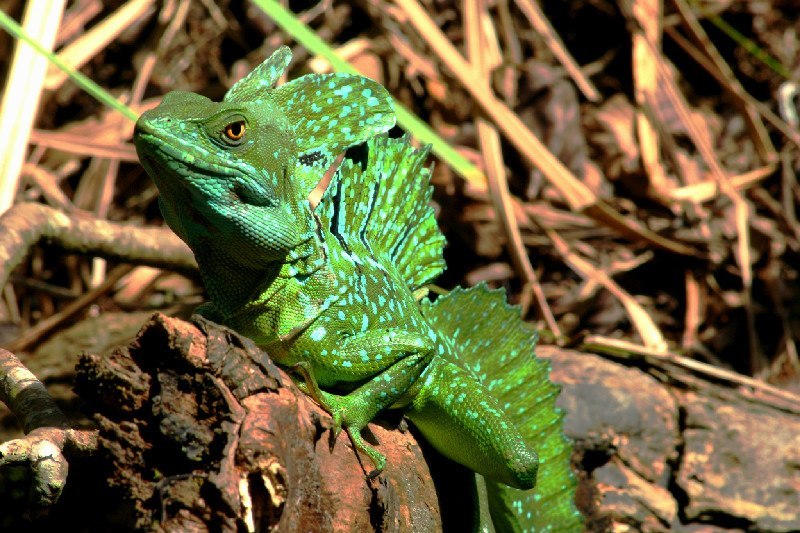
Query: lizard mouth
{"type": "Point", "coordinates": [174, 169]}
{"type": "Point", "coordinates": [170, 154]}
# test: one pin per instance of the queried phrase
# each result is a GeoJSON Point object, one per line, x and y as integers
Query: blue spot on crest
{"type": "Point", "coordinates": [343, 91]}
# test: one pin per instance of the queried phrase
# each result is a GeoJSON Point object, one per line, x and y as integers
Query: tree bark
{"type": "Point", "coordinates": [203, 431]}
{"type": "Point", "coordinates": [661, 448]}
{"type": "Point", "coordinates": [198, 430]}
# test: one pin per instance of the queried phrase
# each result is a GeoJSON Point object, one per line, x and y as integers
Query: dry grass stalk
{"type": "Point", "coordinates": [741, 209]}
{"type": "Point", "coordinates": [46, 326]}
{"type": "Point", "coordinates": [709, 189]}
{"type": "Point", "coordinates": [732, 86]}
{"type": "Point", "coordinates": [81, 50]}
{"type": "Point", "coordinates": [648, 331]}
{"type": "Point", "coordinates": [646, 38]}
{"type": "Point", "coordinates": [23, 91]}
{"type": "Point", "coordinates": [540, 23]}
{"type": "Point", "coordinates": [764, 111]}
{"type": "Point", "coordinates": [82, 145]}
{"type": "Point", "coordinates": [577, 195]}
{"type": "Point", "coordinates": [622, 348]}
{"type": "Point", "coordinates": [484, 53]}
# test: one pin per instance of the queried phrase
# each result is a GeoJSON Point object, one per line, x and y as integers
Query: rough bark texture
{"type": "Point", "coordinates": [679, 457]}
{"type": "Point", "coordinates": [200, 431]}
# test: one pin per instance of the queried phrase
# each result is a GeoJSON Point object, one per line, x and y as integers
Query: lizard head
{"type": "Point", "coordinates": [208, 152]}
{"type": "Point", "coordinates": [216, 164]}
{"type": "Point", "coordinates": [221, 165]}
{"type": "Point", "coordinates": [190, 144]}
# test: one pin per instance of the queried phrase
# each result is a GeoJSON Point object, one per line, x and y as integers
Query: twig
{"type": "Point", "coordinates": [577, 195]}
{"type": "Point", "coordinates": [81, 145]}
{"type": "Point", "coordinates": [758, 132]}
{"type": "Point", "coordinates": [540, 23]}
{"type": "Point", "coordinates": [24, 225]}
{"type": "Point", "coordinates": [496, 171]}
{"type": "Point", "coordinates": [47, 433]}
{"type": "Point", "coordinates": [626, 349]}
{"type": "Point", "coordinates": [766, 113]}
{"type": "Point", "coordinates": [644, 324]}
{"type": "Point", "coordinates": [81, 50]}
{"type": "Point", "coordinates": [708, 190]}
{"type": "Point", "coordinates": [44, 327]}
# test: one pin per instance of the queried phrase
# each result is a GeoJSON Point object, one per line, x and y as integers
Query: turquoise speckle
{"type": "Point", "coordinates": [343, 91]}
{"type": "Point", "coordinates": [318, 334]}
{"type": "Point", "coordinates": [343, 299]}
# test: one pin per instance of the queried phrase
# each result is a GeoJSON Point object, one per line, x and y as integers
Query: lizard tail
{"type": "Point", "coordinates": [489, 341]}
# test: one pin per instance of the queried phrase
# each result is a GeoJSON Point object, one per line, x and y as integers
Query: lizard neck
{"type": "Point", "coordinates": [231, 287]}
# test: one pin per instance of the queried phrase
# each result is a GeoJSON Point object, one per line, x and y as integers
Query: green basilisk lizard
{"type": "Point", "coordinates": [337, 292]}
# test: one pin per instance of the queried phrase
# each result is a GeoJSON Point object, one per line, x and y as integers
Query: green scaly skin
{"type": "Point", "coordinates": [336, 293]}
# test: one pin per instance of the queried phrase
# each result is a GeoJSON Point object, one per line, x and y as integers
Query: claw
{"type": "Point", "coordinates": [336, 430]}
{"type": "Point", "coordinates": [310, 387]}
{"type": "Point", "coordinates": [376, 457]}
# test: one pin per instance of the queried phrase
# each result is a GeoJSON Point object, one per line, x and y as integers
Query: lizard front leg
{"type": "Point", "coordinates": [400, 357]}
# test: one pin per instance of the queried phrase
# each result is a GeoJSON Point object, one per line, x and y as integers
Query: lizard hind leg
{"type": "Point", "coordinates": [462, 420]}
{"type": "Point", "coordinates": [487, 339]}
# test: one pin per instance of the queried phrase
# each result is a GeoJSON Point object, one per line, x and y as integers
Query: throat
{"type": "Point", "coordinates": [231, 287]}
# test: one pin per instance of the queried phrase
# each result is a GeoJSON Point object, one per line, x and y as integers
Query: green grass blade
{"type": "Point", "coordinates": [103, 96]}
{"type": "Point", "coordinates": [407, 120]}
{"type": "Point", "coordinates": [750, 46]}
{"type": "Point", "coordinates": [304, 36]}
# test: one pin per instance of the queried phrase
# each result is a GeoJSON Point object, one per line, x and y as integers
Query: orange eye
{"type": "Point", "coordinates": [235, 130]}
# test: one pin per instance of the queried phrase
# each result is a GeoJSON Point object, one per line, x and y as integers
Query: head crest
{"type": "Point", "coordinates": [328, 113]}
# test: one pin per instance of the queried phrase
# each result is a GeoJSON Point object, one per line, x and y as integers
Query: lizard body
{"type": "Point", "coordinates": [337, 292]}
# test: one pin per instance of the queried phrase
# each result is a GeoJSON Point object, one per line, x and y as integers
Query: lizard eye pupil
{"type": "Point", "coordinates": [235, 130]}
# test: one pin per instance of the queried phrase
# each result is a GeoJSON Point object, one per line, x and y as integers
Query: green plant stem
{"type": "Point", "coordinates": [103, 96]}
{"type": "Point", "coordinates": [405, 118]}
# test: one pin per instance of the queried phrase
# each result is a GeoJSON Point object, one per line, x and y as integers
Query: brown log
{"type": "Point", "coordinates": [200, 431]}
{"type": "Point", "coordinates": [203, 431]}
{"type": "Point", "coordinates": [662, 449]}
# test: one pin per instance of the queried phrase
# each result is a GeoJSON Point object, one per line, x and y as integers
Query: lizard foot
{"type": "Point", "coordinates": [377, 458]}
{"type": "Point", "coordinates": [346, 414]}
